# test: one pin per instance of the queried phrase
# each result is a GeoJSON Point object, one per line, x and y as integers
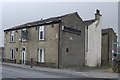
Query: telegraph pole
{"type": "Point", "coordinates": [115, 54]}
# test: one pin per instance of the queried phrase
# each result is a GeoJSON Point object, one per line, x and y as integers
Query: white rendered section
{"type": "Point", "coordinates": [93, 55]}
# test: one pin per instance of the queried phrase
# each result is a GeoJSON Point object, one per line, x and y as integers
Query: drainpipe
{"type": "Point", "coordinates": [59, 47]}
{"type": "Point", "coordinates": [108, 49]}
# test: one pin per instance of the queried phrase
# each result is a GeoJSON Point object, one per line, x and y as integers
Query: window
{"type": "Point", "coordinates": [40, 55]}
{"type": "Point", "coordinates": [67, 49]}
{"type": "Point", "coordinates": [12, 54]}
{"type": "Point", "coordinates": [41, 33]}
{"type": "Point", "coordinates": [12, 36]}
{"type": "Point", "coordinates": [16, 49]}
{"type": "Point", "coordinates": [24, 35]}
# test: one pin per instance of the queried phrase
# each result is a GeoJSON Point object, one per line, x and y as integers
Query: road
{"type": "Point", "coordinates": [17, 72]}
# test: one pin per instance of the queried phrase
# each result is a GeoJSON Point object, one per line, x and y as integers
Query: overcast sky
{"type": "Point", "coordinates": [18, 13]}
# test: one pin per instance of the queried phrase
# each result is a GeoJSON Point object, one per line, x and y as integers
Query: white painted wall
{"type": "Point", "coordinates": [93, 55]}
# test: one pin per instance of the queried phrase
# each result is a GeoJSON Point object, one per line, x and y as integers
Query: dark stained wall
{"type": "Point", "coordinates": [109, 37]}
{"type": "Point", "coordinates": [74, 43]}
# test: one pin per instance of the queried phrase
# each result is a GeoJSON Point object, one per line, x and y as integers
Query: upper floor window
{"type": "Point", "coordinates": [41, 33]}
{"type": "Point", "coordinates": [12, 36]}
{"type": "Point", "coordinates": [24, 35]}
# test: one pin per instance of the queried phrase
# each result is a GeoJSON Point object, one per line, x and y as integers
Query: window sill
{"type": "Point", "coordinates": [41, 62]}
{"type": "Point", "coordinates": [12, 42]}
{"type": "Point", "coordinates": [41, 40]}
{"type": "Point", "coordinates": [12, 59]}
{"type": "Point", "coordinates": [24, 41]}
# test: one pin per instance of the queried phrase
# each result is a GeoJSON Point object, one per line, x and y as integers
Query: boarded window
{"type": "Point", "coordinates": [24, 35]}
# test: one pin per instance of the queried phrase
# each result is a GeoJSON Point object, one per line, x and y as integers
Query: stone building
{"type": "Point", "coordinates": [109, 48]}
{"type": "Point", "coordinates": [54, 42]}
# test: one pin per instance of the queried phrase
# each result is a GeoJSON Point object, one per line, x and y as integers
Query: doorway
{"type": "Point", "coordinates": [23, 55]}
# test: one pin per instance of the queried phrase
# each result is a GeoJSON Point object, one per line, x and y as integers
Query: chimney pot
{"type": "Point", "coordinates": [97, 14]}
{"type": "Point", "coordinates": [98, 11]}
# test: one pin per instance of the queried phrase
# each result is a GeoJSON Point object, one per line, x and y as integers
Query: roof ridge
{"type": "Point", "coordinates": [89, 22]}
{"type": "Point", "coordinates": [54, 17]}
{"type": "Point", "coordinates": [47, 20]}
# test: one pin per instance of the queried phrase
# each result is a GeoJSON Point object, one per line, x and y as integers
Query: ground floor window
{"type": "Point", "coordinates": [40, 55]}
{"type": "Point", "coordinates": [12, 54]}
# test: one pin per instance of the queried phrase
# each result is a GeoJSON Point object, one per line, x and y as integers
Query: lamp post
{"type": "Point", "coordinates": [114, 56]}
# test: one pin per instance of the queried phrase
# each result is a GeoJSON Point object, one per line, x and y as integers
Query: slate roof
{"type": "Point", "coordinates": [89, 22]}
{"type": "Point", "coordinates": [40, 22]}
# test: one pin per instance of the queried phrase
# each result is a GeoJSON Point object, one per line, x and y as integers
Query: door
{"type": "Point", "coordinates": [23, 57]}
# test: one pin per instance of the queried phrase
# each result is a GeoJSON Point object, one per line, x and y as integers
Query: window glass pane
{"type": "Point", "coordinates": [12, 36]}
{"type": "Point", "coordinates": [41, 35]}
{"type": "Point", "coordinates": [12, 33]}
{"type": "Point", "coordinates": [12, 54]}
{"type": "Point", "coordinates": [41, 28]}
{"type": "Point", "coordinates": [40, 55]}
{"type": "Point", "coordinates": [23, 49]}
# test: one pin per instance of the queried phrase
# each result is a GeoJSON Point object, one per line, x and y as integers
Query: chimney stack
{"type": "Point", "coordinates": [97, 14]}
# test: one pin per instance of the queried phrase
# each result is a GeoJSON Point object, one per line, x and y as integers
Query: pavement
{"type": "Point", "coordinates": [89, 74]}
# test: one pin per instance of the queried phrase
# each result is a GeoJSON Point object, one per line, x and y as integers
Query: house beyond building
{"type": "Point", "coordinates": [93, 41]}
{"type": "Point", "coordinates": [1, 53]}
{"type": "Point", "coordinates": [53, 42]}
{"type": "Point", "coordinates": [109, 48]}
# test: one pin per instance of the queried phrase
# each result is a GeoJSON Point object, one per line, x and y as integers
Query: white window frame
{"type": "Point", "coordinates": [39, 57]}
{"type": "Point", "coordinates": [23, 38]}
{"type": "Point", "coordinates": [41, 29]}
{"type": "Point", "coordinates": [13, 35]}
{"type": "Point", "coordinates": [12, 55]}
